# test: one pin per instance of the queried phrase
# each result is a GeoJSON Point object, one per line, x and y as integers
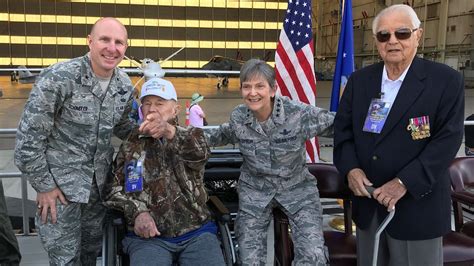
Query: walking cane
{"type": "Point", "coordinates": [379, 230]}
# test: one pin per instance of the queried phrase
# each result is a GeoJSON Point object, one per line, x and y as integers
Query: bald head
{"type": "Point", "coordinates": [107, 20]}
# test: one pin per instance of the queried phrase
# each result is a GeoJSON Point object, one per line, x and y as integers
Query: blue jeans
{"type": "Point", "coordinates": [203, 249]}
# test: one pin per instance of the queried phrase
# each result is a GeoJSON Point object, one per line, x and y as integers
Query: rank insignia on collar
{"type": "Point", "coordinates": [419, 127]}
{"type": "Point", "coordinates": [285, 132]}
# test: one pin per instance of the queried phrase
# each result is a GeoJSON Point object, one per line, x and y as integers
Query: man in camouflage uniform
{"type": "Point", "coordinates": [158, 184]}
{"type": "Point", "coordinates": [271, 132]}
{"type": "Point", "coordinates": [63, 143]}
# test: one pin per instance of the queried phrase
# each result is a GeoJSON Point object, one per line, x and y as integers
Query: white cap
{"type": "Point", "coordinates": [159, 87]}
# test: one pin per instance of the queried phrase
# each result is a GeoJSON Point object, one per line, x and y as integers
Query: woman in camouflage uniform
{"type": "Point", "coordinates": [271, 132]}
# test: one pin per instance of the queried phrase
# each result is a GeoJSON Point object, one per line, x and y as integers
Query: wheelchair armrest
{"type": "Point", "coordinates": [114, 229]}
{"type": "Point", "coordinates": [463, 197]}
{"type": "Point", "coordinates": [118, 221]}
{"type": "Point", "coordinates": [220, 211]}
{"type": "Point", "coordinates": [115, 218]}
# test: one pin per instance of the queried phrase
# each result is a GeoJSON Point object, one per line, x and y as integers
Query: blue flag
{"type": "Point", "coordinates": [345, 55]}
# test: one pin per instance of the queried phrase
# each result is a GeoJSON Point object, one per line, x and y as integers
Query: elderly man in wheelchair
{"type": "Point", "coordinates": [158, 185]}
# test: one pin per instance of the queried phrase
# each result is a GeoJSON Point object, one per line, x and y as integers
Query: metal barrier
{"type": "Point", "coordinates": [7, 131]}
{"type": "Point", "coordinates": [24, 185]}
{"type": "Point", "coordinates": [24, 197]}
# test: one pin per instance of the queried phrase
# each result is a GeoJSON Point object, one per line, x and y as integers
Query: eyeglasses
{"type": "Point", "coordinates": [401, 34]}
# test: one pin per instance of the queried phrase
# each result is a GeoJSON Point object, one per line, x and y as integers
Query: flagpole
{"type": "Point", "coordinates": [340, 15]}
{"type": "Point", "coordinates": [343, 2]}
{"type": "Point", "coordinates": [345, 55]}
{"type": "Point", "coordinates": [424, 27]}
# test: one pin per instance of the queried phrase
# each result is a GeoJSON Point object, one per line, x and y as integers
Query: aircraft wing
{"type": "Point", "coordinates": [185, 71]}
{"type": "Point", "coordinates": [139, 71]}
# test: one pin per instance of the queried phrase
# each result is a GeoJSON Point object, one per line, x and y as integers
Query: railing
{"type": "Point", "coordinates": [24, 185]}
{"type": "Point", "coordinates": [7, 131]}
{"type": "Point", "coordinates": [24, 189]}
{"type": "Point", "coordinates": [24, 196]}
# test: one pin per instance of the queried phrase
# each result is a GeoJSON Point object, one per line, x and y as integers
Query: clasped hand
{"type": "Point", "coordinates": [388, 194]}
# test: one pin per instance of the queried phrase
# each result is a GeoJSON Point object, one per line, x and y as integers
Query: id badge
{"type": "Point", "coordinates": [376, 116]}
{"type": "Point", "coordinates": [133, 177]}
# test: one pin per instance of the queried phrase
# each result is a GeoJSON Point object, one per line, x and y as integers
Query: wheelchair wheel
{"type": "Point", "coordinates": [225, 82]}
{"type": "Point", "coordinates": [226, 242]}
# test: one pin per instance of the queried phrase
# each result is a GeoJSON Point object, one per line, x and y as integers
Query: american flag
{"type": "Point", "coordinates": [294, 63]}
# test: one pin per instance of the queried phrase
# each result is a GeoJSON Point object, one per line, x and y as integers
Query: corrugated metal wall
{"type": "Point", "coordinates": [41, 32]}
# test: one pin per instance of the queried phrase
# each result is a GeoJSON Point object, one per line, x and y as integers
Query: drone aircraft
{"type": "Point", "coordinates": [221, 63]}
{"type": "Point", "coordinates": [23, 75]}
{"type": "Point", "coordinates": [219, 66]}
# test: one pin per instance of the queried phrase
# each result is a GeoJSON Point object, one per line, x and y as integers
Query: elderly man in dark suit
{"type": "Point", "coordinates": [403, 148]}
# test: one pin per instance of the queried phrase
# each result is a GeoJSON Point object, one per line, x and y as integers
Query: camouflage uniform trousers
{"type": "Point", "coordinates": [76, 238]}
{"type": "Point", "coordinates": [9, 251]}
{"type": "Point", "coordinates": [306, 225]}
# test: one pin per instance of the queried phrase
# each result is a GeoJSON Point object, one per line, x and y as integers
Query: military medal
{"type": "Point", "coordinates": [419, 127]}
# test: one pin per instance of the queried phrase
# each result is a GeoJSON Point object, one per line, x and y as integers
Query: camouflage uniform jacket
{"type": "Point", "coordinates": [274, 163]}
{"type": "Point", "coordinates": [64, 135]}
{"type": "Point", "coordinates": [173, 187]}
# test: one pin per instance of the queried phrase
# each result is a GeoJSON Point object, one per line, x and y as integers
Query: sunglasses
{"type": "Point", "coordinates": [400, 34]}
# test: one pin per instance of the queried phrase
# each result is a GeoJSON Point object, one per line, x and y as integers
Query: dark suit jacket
{"type": "Point", "coordinates": [429, 89]}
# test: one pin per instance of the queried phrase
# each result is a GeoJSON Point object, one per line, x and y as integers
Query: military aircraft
{"type": "Point", "coordinates": [218, 66]}
{"type": "Point", "coordinates": [222, 63]}
{"type": "Point", "coordinates": [23, 75]}
{"type": "Point", "coordinates": [148, 67]}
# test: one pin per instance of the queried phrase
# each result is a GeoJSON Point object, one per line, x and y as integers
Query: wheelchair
{"type": "Point", "coordinates": [220, 177]}
{"type": "Point", "coordinates": [115, 229]}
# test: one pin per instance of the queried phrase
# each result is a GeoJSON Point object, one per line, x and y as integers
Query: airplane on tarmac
{"type": "Point", "coordinates": [218, 66]}
{"type": "Point", "coordinates": [148, 67]}
{"type": "Point", "coordinates": [23, 75]}
{"type": "Point", "coordinates": [223, 63]}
